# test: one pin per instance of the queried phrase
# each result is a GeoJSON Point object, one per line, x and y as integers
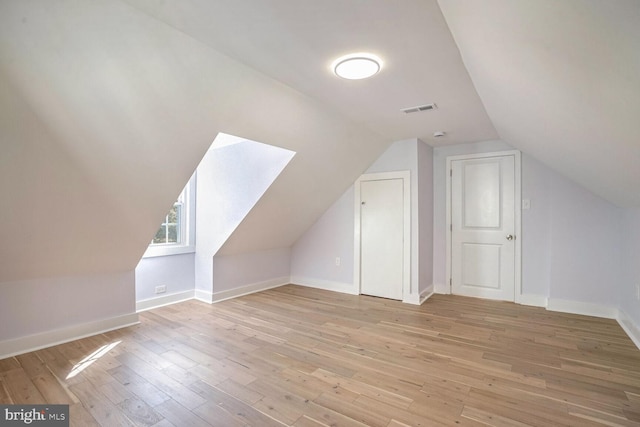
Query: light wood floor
{"type": "Point", "coordinates": [305, 357]}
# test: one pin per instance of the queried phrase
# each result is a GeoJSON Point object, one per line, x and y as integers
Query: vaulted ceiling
{"type": "Point", "coordinates": [557, 79]}
{"type": "Point", "coordinates": [106, 107]}
{"type": "Point", "coordinates": [561, 81]}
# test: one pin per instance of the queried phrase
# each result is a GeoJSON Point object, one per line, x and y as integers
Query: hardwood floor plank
{"type": "Point", "coordinates": [305, 421]}
{"type": "Point", "coordinates": [178, 359]}
{"type": "Point", "coordinates": [218, 415]}
{"type": "Point", "coordinates": [520, 410]}
{"type": "Point", "coordinates": [31, 364]}
{"type": "Point", "coordinates": [171, 387]}
{"type": "Point", "coordinates": [80, 417]}
{"type": "Point", "coordinates": [5, 396]}
{"type": "Point", "coordinates": [104, 412]}
{"type": "Point", "coordinates": [233, 406]}
{"type": "Point", "coordinates": [8, 364]}
{"type": "Point", "coordinates": [52, 391]}
{"type": "Point", "coordinates": [47, 384]}
{"type": "Point", "coordinates": [308, 358]}
{"type": "Point", "coordinates": [180, 416]}
{"type": "Point", "coordinates": [21, 388]}
{"type": "Point", "coordinates": [115, 392]}
{"type": "Point", "coordinates": [139, 412]}
{"type": "Point", "coordinates": [490, 419]}
{"type": "Point", "coordinates": [601, 417]}
{"type": "Point", "coordinates": [138, 386]}
{"type": "Point", "coordinates": [353, 411]}
{"type": "Point", "coordinates": [240, 392]}
{"type": "Point", "coordinates": [358, 389]}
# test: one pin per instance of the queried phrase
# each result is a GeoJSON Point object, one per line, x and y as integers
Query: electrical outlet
{"type": "Point", "coordinates": [526, 204]}
{"type": "Point", "coordinates": [337, 261]}
{"type": "Point", "coordinates": [638, 291]}
{"type": "Point", "coordinates": [161, 289]}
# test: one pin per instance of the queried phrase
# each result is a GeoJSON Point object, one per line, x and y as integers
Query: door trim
{"type": "Point", "coordinates": [518, 214]}
{"type": "Point", "coordinates": [406, 251]}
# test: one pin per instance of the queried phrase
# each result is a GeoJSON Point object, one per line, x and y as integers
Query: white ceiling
{"type": "Point", "coordinates": [106, 107]}
{"type": "Point", "coordinates": [559, 79]}
{"type": "Point", "coordinates": [105, 112]}
{"type": "Point", "coordinates": [296, 41]}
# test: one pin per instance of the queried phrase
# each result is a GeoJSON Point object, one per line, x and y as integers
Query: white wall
{"type": "Point", "coordinates": [235, 275]}
{"type": "Point", "coordinates": [41, 312]}
{"type": "Point", "coordinates": [571, 244]}
{"type": "Point", "coordinates": [231, 179]}
{"type": "Point", "coordinates": [571, 239]}
{"type": "Point", "coordinates": [334, 231]}
{"type": "Point", "coordinates": [425, 219]}
{"type": "Point", "coordinates": [536, 231]}
{"type": "Point", "coordinates": [586, 243]}
{"type": "Point", "coordinates": [629, 302]}
{"type": "Point", "coordinates": [313, 256]}
{"type": "Point", "coordinates": [176, 272]}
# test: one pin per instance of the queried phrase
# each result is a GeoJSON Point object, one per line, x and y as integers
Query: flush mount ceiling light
{"type": "Point", "coordinates": [356, 66]}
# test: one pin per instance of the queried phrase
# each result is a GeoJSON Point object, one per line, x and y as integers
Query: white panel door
{"type": "Point", "coordinates": [381, 238]}
{"type": "Point", "coordinates": [483, 227]}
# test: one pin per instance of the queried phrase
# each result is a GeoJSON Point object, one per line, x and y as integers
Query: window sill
{"type": "Point", "coordinates": [156, 251]}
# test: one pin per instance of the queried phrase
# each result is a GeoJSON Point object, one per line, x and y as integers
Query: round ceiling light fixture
{"type": "Point", "coordinates": [356, 66]}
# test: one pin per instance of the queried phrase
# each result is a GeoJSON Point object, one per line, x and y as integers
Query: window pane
{"type": "Point", "coordinates": [173, 214]}
{"type": "Point", "coordinates": [170, 232]}
{"type": "Point", "coordinates": [161, 235]}
{"type": "Point", "coordinates": [173, 233]}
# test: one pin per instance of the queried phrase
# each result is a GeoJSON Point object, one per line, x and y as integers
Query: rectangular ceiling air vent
{"type": "Point", "coordinates": [425, 107]}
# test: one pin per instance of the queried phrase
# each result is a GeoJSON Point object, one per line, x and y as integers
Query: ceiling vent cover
{"type": "Point", "coordinates": [425, 107]}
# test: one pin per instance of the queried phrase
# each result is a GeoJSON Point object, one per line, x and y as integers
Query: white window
{"type": "Point", "coordinates": [176, 234]}
{"type": "Point", "coordinates": [171, 231]}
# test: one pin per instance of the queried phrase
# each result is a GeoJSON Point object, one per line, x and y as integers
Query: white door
{"type": "Point", "coordinates": [381, 238]}
{"type": "Point", "coordinates": [483, 227]}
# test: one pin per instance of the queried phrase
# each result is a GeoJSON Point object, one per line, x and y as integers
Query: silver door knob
{"type": "Point", "coordinates": [510, 237]}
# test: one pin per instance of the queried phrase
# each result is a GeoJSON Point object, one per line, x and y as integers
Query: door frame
{"type": "Point", "coordinates": [405, 176]}
{"type": "Point", "coordinates": [517, 207]}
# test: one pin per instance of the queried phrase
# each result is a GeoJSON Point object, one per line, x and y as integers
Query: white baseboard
{"type": "Point", "coordinates": [440, 288]}
{"type": "Point", "coordinates": [148, 304]}
{"type": "Point", "coordinates": [327, 285]}
{"type": "Point", "coordinates": [584, 308]}
{"type": "Point", "coordinates": [248, 289]}
{"type": "Point", "coordinates": [533, 300]}
{"type": "Point", "coordinates": [419, 299]}
{"type": "Point", "coordinates": [629, 327]}
{"type": "Point", "coordinates": [13, 347]}
{"type": "Point", "coordinates": [204, 296]}
{"type": "Point", "coordinates": [425, 295]}
{"type": "Point", "coordinates": [412, 299]}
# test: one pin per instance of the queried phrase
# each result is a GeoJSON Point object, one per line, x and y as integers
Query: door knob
{"type": "Point", "coordinates": [510, 237]}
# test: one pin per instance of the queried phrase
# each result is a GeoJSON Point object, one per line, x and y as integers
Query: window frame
{"type": "Point", "coordinates": [187, 226]}
{"type": "Point", "coordinates": [179, 224]}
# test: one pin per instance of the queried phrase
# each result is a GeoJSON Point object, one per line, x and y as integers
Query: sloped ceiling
{"type": "Point", "coordinates": [295, 43]}
{"type": "Point", "coordinates": [105, 113]}
{"type": "Point", "coordinates": [560, 81]}
{"type": "Point", "coordinates": [106, 107]}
